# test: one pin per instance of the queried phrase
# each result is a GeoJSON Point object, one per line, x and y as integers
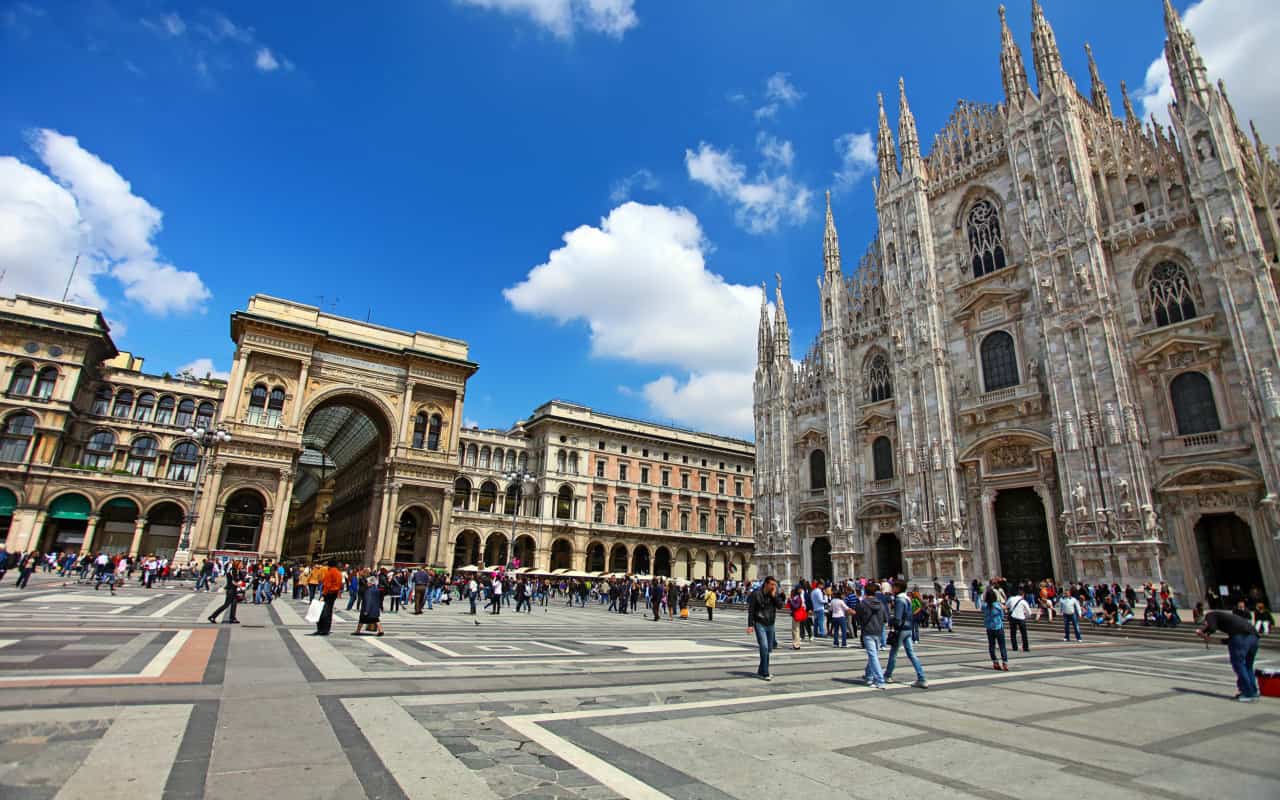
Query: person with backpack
{"type": "Point", "coordinates": [903, 623]}
{"type": "Point", "coordinates": [871, 619]}
{"type": "Point", "coordinates": [993, 621]}
{"type": "Point", "coordinates": [1019, 608]}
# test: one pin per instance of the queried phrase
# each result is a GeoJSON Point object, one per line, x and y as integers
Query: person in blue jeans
{"type": "Point", "coordinates": [762, 614]}
{"type": "Point", "coordinates": [818, 598]}
{"type": "Point", "coordinates": [839, 628]}
{"type": "Point", "coordinates": [1070, 609]}
{"type": "Point", "coordinates": [871, 620]}
{"type": "Point", "coordinates": [1242, 649]}
{"type": "Point", "coordinates": [993, 621]}
{"type": "Point", "coordinates": [903, 624]}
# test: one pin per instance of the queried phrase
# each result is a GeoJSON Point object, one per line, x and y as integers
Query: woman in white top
{"type": "Point", "coordinates": [839, 613]}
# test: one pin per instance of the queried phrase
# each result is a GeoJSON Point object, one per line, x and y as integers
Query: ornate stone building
{"type": "Point", "coordinates": [602, 493]}
{"type": "Point", "coordinates": [344, 442]}
{"type": "Point", "coordinates": [1059, 356]}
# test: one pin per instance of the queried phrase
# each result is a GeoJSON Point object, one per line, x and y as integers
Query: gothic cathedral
{"type": "Point", "coordinates": [1059, 357]}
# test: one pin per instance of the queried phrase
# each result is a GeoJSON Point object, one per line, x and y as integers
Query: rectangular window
{"type": "Point", "coordinates": [702, 483]}
{"type": "Point", "coordinates": [737, 488]}
{"type": "Point", "coordinates": [684, 520]}
{"type": "Point", "coordinates": [720, 485]}
{"type": "Point", "coordinates": [704, 462]}
{"type": "Point", "coordinates": [684, 480]}
{"type": "Point", "coordinates": [644, 517]}
{"type": "Point", "coordinates": [622, 472]}
{"type": "Point", "coordinates": [666, 478]}
{"type": "Point", "coordinates": [702, 523]}
{"type": "Point", "coordinates": [602, 445]}
{"type": "Point", "coordinates": [737, 525]}
{"type": "Point", "coordinates": [600, 468]}
{"type": "Point", "coordinates": [624, 449]}
{"type": "Point", "coordinates": [644, 474]}
{"type": "Point", "coordinates": [720, 525]}
{"type": "Point", "coordinates": [597, 513]}
{"type": "Point", "coordinates": [622, 515]}
{"type": "Point", "coordinates": [664, 519]}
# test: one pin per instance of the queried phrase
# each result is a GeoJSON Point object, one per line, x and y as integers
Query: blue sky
{"type": "Point", "coordinates": [650, 162]}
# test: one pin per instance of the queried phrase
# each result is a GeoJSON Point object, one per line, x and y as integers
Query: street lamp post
{"type": "Point", "coordinates": [519, 477]}
{"type": "Point", "coordinates": [208, 441]}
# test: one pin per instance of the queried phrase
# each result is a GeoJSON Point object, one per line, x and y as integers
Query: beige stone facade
{"type": "Point", "coordinates": [603, 493]}
{"type": "Point", "coordinates": [1059, 357]}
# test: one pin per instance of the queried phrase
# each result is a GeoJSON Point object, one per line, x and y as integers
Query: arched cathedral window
{"type": "Point", "coordinates": [1169, 294]}
{"type": "Point", "coordinates": [999, 362]}
{"type": "Point", "coordinates": [817, 470]}
{"type": "Point", "coordinates": [1194, 410]}
{"type": "Point", "coordinates": [879, 381]}
{"type": "Point", "coordinates": [882, 458]}
{"type": "Point", "coordinates": [986, 245]}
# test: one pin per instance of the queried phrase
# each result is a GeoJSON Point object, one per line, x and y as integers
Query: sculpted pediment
{"type": "Point", "coordinates": [988, 298]}
{"type": "Point", "coordinates": [1180, 350]}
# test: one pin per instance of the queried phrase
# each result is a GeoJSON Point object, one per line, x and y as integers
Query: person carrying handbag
{"type": "Point", "coordinates": [799, 614]}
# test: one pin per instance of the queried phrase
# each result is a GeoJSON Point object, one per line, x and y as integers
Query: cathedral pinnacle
{"type": "Point", "coordinates": [1129, 113]}
{"type": "Point", "coordinates": [831, 241]}
{"type": "Point", "coordinates": [1012, 69]}
{"type": "Point", "coordinates": [884, 145]}
{"type": "Point", "coordinates": [1098, 89]}
{"type": "Point", "coordinates": [1044, 53]}
{"type": "Point", "coordinates": [764, 348]}
{"type": "Point", "coordinates": [1186, 68]}
{"type": "Point", "coordinates": [783, 331]}
{"type": "Point", "coordinates": [908, 139]}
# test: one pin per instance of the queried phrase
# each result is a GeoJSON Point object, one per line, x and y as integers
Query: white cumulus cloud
{"type": "Point", "coordinates": [763, 202]}
{"type": "Point", "coordinates": [857, 157]}
{"type": "Point", "coordinates": [564, 17]}
{"type": "Point", "coordinates": [265, 61]}
{"type": "Point", "coordinates": [1237, 40]}
{"type": "Point", "coordinates": [639, 280]}
{"type": "Point", "coordinates": [779, 91]}
{"type": "Point", "coordinates": [84, 206]}
{"type": "Point", "coordinates": [204, 368]}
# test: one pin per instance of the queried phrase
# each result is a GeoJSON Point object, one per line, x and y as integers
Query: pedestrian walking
{"type": "Point", "coordinates": [762, 613]}
{"type": "Point", "coordinates": [371, 609]}
{"type": "Point", "coordinates": [710, 599]}
{"type": "Point", "coordinates": [1242, 649]}
{"type": "Point", "coordinates": [799, 613]}
{"type": "Point", "coordinates": [330, 588]}
{"type": "Point", "coordinates": [232, 596]}
{"type": "Point", "coordinates": [872, 619]}
{"type": "Point", "coordinates": [838, 611]}
{"type": "Point", "coordinates": [903, 624]}
{"type": "Point", "coordinates": [993, 621]}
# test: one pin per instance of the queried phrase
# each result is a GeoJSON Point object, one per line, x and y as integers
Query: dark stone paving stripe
{"type": "Point", "coordinates": [191, 766]}
{"type": "Point", "coordinates": [309, 670]}
{"type": "Point", "coordinates": [373, 775]}
{"type": "Point", "coordinates": [216, 669]}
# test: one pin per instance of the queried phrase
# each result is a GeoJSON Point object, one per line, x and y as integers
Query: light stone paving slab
{"type": "Point", "coordinates": [155, 731]}
{"type": "Point", "coordinates": [421, 766]}
{"type": "Point", "coordinates": [332, 664]}
{"type": "Point", "coordinates": [1207, 780]}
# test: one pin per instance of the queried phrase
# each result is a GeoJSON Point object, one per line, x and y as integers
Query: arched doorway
{"type": "Point", "coordinates": [820, 553]}
{"type": "Point", "coordinates": [1022, 536]}
{"type": "Point", "coordinates": [117, 522]}
{"type": "Point", "coordinates": [242, 521]}
{"type": "Point", "coordinates": [640, 561]}
{"type": "Point", "coordinates": [345, 441]}
{"type": "Point", "coordinates": [66, 522]}
{"type": "Point", "coordinates": [466, 550]}
{"type": "Point", "coordinates": [164, 526]}
{"type": "Point", "coordinates": [561, 554]}
{"type": "Point", "coordinates": [595, 558]}
{"type": "Point", "coordinates": [617, 559]}
{"type": "Point", "coordinates": [1228, 557]}
{"type": "Point", "coordinates": [413, 536]}
{"type": "Point", "coordinates": [524, 551]}
{"type": "Point", "coordinates": [495, 550]}
{"type": "Point", "coordinates": [888, 556]}
{"type": "Point", "coordinates": [662, 562]}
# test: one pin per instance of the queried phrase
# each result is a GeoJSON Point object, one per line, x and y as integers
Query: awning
{"type": "Point", "coordinates": [69, 506]}
{"type": "Point", "coordinates": [8, 502]}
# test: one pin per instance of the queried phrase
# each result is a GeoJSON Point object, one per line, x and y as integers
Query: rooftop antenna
{"type": "Point", "coordinates": [71, 277]}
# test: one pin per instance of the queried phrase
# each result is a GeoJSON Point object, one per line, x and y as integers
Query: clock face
{"type": "Point", "coordinates": [31, 347]}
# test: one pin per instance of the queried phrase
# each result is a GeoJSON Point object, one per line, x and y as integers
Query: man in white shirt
{"type": "Point", "coordinates": [1069, 607]}
{"type": "Point", "coordinates": [473, 589]}
{"type": "Point", "coordinates": [1019, 608]}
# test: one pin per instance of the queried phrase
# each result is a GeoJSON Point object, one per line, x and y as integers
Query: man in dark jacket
{"type": "Point", "coordinates": [762, 613]}
{"type": "Point", "coordinates": [1242, 649]}
{"type": "Point", "coordinates": [871, 619]}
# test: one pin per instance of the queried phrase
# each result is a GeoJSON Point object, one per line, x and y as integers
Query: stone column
{"type": "Point", "coordinates": [446, 530]}
{"type": "Point", "coordinates": [214, 528]}
{"type": "Point", "coordinates": [406, 405]}
{"type": "Point", "coordinates": [389, 534]}
{"type": "Point", "coordinates": [377, 500]}
{"type": "Point", "coordinates": [1051, 521]}
{"type": "Point", "coordinates": [90, 529]}
{"type": "Point", "coordinates": [231, 403]}
{"type": "Point", "coordinates": [991, 551]}
{"type": "Point", "coordinates": [25, 529]}
{"type": "Point", "coordinates": [203, 533]}
{"type": "Point", "coordinates": [138, 527]}
{"type": "Point", "coordinates": [455, 424]}
{"type": "Point", "coordinates": [299, 394]}
{"type": "Point", "coordinates": [271, 548]}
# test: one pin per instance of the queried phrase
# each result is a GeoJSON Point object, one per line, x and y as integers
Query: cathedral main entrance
{"type": "Point", "coordinates": [888, 556]}
{"type": "Point", "coordinates": [1022, 533]}
{"type": "Point", "coordinates": [820, 555]}
{"type": "Point", "coordinates": [1227, 556]}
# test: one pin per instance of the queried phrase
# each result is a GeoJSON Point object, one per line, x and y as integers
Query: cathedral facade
{"type": "Point", "coordinates": [1059, 358]}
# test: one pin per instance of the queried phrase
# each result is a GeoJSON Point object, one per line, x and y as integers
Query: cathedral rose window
{"type": "Point", "coordinates": [986, 245]}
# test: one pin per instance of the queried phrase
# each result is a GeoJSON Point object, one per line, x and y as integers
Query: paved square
{"type": "Point", "coordinates": [578, 703]}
